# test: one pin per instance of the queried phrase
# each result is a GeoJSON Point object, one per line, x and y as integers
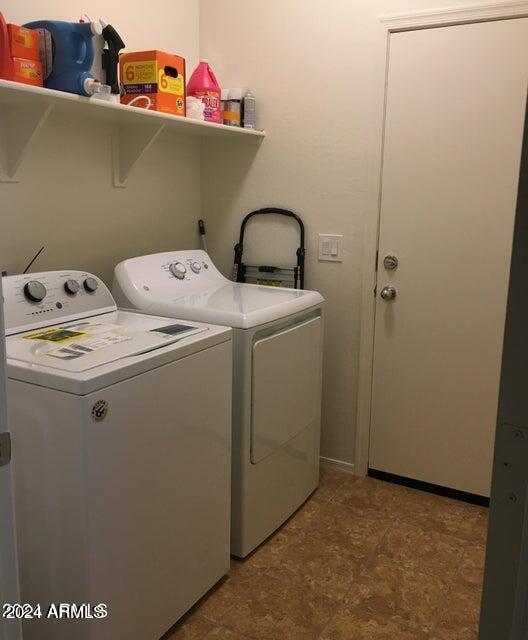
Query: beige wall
{"type": "Point", "coordinates": [318, 76]}
{"type": "Point", "coordinates": [65, 199]}
{"type": "Point", "coordinates": [317, 72]}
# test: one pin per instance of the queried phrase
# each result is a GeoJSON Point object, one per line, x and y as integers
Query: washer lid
{"type": "Point", "coordinates": [124, 345]}
{"type": "Point", "coordinates": [77, 347]}
{"type": "Point", "coordinates": [233, 304]}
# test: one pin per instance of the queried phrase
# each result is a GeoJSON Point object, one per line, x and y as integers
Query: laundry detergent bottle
{"type": "Point", "coordinates": [67, 54]}
{"type": "Point", "coordinates": [204, 85]}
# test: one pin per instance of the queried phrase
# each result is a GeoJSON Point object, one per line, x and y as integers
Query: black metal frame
{"type": "Point", "coordinates": [239, 268]}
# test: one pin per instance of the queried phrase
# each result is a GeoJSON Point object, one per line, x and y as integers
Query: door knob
{"type": "Point", "coordinates": [390, 262]}
{"type": "Point", "coordinates": [388, 293]}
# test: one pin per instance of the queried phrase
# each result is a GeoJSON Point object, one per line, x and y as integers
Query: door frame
{"type": "Point", "coordinates": [385, 27]}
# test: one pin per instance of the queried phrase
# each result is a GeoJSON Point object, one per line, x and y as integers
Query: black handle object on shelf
{"type": "Point", "coordinates": [110, 60]}
{"type": "Point", "coordinates": [239, 267]}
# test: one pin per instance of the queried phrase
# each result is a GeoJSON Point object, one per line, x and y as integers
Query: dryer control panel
{"type": "Point", "coordinates": [35, 300]}
{"type": "Point", "coordinates": [172, 272]}
{"type": "Point", "coordinates": [185, 265]}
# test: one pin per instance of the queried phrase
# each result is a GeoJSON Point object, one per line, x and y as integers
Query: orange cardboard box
{"type": "Point", "coordinates": [27, 71]}
{"type": "Point", "coordinates": [153, 80]}
{"type": "Point", "coordinates": [23, 43]}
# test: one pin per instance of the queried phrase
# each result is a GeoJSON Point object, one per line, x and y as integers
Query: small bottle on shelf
{"type": "Point", "coordinates": [249, 111]}
{"type": "Point", "coordinates": [233, 115]}
{"type": "Point", "coordinates": [224, 99]}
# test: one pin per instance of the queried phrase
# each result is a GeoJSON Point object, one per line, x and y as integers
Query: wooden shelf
{"type": "Point", "coordinates": [24, 110]}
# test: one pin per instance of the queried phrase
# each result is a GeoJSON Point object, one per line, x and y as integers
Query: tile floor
{"type": "Point", "coordinates": [361, 560]}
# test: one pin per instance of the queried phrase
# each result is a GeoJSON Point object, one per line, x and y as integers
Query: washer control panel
{"type": "Point", "coordinates": [40, 299]}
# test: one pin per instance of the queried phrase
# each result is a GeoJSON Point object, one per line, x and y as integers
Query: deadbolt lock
{"type": "Point", "coordinates": [390, 262]}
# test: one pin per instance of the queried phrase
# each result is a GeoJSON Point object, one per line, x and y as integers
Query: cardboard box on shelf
{"type": "Point", "coordinates": [23, 42]}
{"type": "Point", "coordinates": [153, 80]}
{"type": "Point", "coordinates": [19, 54]}
{"type": "Point", "coordinates": [27, 71]}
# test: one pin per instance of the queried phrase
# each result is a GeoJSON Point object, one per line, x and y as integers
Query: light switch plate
{"type": "Point", "coordinates": [330, 247]}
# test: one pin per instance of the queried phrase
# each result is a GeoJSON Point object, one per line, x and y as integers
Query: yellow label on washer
{"type": "Point", "coordinates": [57, 336]}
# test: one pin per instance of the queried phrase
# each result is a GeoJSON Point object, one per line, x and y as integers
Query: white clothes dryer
{"type": "Point", "coordinates": [278, 345]}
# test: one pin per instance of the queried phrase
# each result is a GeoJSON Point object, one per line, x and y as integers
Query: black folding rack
{"type": "Point", "coordinates": [292, 277]}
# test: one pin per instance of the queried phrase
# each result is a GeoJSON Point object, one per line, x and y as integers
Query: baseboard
{"type": "Point", "coordinates": [455, 494]}
{"type": "Point", "coordinates": [330, 463]}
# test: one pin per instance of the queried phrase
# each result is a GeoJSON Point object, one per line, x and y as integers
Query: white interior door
{"type": "Point", "coordinates": [9, 629]}
{"type": "Point", "coordinates": [454, 120]}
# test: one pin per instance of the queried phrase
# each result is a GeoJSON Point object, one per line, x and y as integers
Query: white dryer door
{"type": "Point", "coordinates": [286, 386]}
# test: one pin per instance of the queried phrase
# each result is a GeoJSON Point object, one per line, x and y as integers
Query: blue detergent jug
{"type": "Point", "coordinates": [67, 53]}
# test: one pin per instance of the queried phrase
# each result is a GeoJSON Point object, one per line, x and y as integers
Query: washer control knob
{"type": "Point", "coordinates": [35, 291]}
{"type": "Point", "coordinates": [178, 270]}
{"type": "Point", "coordinates": [71, 287]}
{"type": "Point", "coordinates": [91, 284]}
{"type": "Point", "coordinates": [196, 267]}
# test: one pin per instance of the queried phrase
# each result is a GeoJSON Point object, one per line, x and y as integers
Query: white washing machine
{"type": "Point", "coordinates": [121, 436]}
{"type": "Point", "coordinates": [277, 341]}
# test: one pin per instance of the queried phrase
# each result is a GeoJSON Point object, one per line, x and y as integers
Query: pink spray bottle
{"type": "Point", "coordinates": [204, 85]}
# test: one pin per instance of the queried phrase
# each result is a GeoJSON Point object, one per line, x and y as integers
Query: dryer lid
{"type": "Point", "coordinates": [243, 305]}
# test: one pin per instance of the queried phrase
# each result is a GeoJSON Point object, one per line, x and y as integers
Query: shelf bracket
{"type": "Point", "coordinates": [19, 124]}
{"type": "Point", "coordinates": [129, 144]}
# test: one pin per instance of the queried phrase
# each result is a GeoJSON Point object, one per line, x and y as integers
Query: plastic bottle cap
{"type": "Point", "coordinates": [96, 28]}
{"type": "Point", "coordinates": [89, 86]}
{"type": "Point", "coordinates": [224, 95]}
{"type": "Point", "coordinates": [93, 86]}
{"type": "Point", "coordinates": [204, 60]}
{"type": "Point", "coordinates": [236, 94]}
